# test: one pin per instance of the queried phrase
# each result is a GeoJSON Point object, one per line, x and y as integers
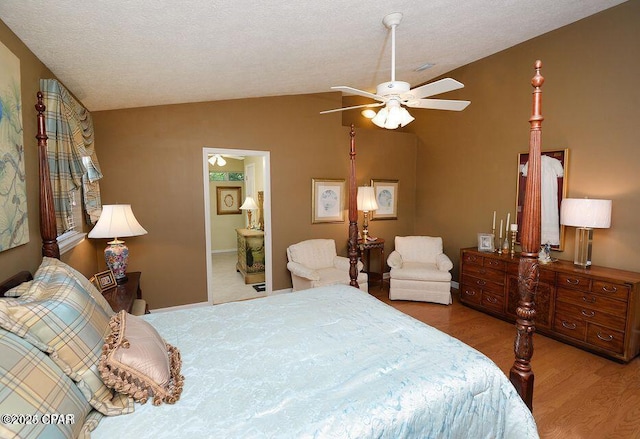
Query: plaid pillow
{"type": "Point", "coordinates": [61, 318]}
{"type": "Point", "coordinates": [48, 267]}
{"type": "Point", "coordinates": [31, 384]}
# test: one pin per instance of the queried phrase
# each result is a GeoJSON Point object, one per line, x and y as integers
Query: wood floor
{"type": "Point", "coordinates": [577, 394]}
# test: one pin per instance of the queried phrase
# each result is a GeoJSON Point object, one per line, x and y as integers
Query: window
{"type": "Point", "coordinates": [74, 234]}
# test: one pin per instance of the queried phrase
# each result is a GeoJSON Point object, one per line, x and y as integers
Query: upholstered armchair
{"type": "Point", "coordinates": [420, 270]}
{"type": "Point", "coordinates": [315, 263]}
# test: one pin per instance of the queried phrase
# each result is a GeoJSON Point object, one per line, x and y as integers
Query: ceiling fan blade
{"type": "Point", "coordinates": [439, 104]}
{"type": "Point", "coordinates": [355, 91]}
{"type": "Point", "coordinates": [351, 108]}
{"type": "Point", "coordinates": [437, 87]}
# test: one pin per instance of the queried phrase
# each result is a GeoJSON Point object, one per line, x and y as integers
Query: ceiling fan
{"type": "Point", "coordinates": [393, 95]}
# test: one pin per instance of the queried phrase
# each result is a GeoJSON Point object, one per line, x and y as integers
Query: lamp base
{"type": "Point", "coordinates": [582, 254]}
{"type": "Point", "coordinates": [116, 256]}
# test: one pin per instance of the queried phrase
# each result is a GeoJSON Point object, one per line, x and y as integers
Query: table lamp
{"type": "Point", "coordinates": [249, 205]}
{"type": "Point", "coordinates": [586, 214]}
{"type": "Point", "coordinates": [366, 203]}
{"type": "Point", "coordinates": [117, 221]}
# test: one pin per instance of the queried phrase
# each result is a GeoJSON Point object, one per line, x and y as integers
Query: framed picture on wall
{"type": "Point", "coordinates": [228, 200]}
{"type": "Point", "coordinates": [386, 192]}
{"type": "Point", "coordinates": [328, 200]}
{"type": "Point", "coordinates": [554, 165]}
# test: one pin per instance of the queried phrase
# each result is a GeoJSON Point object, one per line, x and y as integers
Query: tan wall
{"type": "Point", "coordinates": [152, 158]}
{"type": "Point", "coordinates": [591, 104]}
{"type": "Point", "coordinates": [28, 256]}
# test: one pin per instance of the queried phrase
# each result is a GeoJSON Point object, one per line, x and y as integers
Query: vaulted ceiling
{"type": "Point", "coordinates": [122, 53]}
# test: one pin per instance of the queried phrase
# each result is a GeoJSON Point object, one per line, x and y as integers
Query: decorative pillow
{"type": "Point", "coordinates": [59, 317]}
{"type": "Point", "coordinates": [136, 361]}
{"type": "Point", "coordinates": [19, 290]}
{"type": "Point", "coordinates": [50, 266]}
{"type": "Point", "coordinates": [33, 386]}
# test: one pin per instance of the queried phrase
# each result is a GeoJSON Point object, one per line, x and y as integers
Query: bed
{"type": "Point", "coordinates": [330, 362]}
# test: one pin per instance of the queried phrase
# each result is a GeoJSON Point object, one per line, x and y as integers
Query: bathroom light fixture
{"type": "Point", "coordinates": [217, 159]}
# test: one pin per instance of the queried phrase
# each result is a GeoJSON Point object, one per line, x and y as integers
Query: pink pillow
{"type": "Point", "coordinates": [136, 361]}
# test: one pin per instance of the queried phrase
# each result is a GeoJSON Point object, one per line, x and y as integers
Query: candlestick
{"type": "Point", "coordinates": [500, 229]}
{"type": "Point", "coordinates": [514, 230]}
{"type": "Point", "coordinates": [494, 221]}
{"type": "Point", "coordinates": [506, 230]}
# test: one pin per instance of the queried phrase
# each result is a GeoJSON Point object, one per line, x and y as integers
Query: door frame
{"type": "Point", "coordinates": [206, 152]}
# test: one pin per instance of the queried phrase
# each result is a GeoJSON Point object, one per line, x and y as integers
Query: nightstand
{"type": "Point", "coordinates": [124, 295]}
{"type": "Point", "coordinates": [365, 250]}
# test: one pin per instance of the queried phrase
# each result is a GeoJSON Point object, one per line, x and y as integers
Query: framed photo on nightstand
{"type": "Point", "coordinates": [103, 280]}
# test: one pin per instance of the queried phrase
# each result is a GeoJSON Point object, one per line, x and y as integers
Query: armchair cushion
{"type": "Point", "coordinates": [342, 263]}
{"type": "Point", "coordinates": [419, 248]}
{"type": "Point", "coordinates": [313, 253]}
{"type": "Point", "coordinates": [420, 271]}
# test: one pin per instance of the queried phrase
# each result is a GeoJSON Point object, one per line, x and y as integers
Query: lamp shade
{"type": "Point", "coordinates": [366, 199]}
{"type": "Point", "coordinates": [249, 204]}
{"type": "Point", "coordinates": [117, 221]}
{"type": "Point", "coordinates": [586, 212]}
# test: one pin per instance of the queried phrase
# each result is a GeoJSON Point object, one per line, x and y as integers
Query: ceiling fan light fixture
{"type": "Point", "coordinates": [369, 113]}
{"type": "Point", "coordinates": [392, 116]}
{"type": "Point", "coordinates": [217, 158]}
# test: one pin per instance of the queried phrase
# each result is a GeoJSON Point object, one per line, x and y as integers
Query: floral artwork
{"type": "Point", "coordinates": [14, 228]}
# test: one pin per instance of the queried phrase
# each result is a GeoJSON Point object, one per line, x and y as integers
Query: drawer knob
{"type": "Point", "coordinates": [588, 313]}
{"type": "Point", "coordinates": [569, 325]}
{"type": "Point", "coordinates": [470, 292]}
{"type": "Point", "coordinates": [481, 283]}
{"type": "Point", "coordinates": [609, 337]}
{"type": "Point", "coordinates": [611, 289]}
{"type": "Point", "coordinates": [473, 258]}
{"type": "Point", "coordinates": [492, 299]}
{"type": "Point", "coordinates": [588, 299]}
{"type": "Point", "coordinates": [573, 281]}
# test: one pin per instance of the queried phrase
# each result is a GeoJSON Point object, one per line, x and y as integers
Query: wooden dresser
{"type": "Point", "coordinates": [595, 309]}
{"type": "Point", "coordinates": [251, 255]}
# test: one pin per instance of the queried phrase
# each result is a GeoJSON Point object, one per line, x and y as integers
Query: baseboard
{"type": "Point", "coordinates": [455, 285]}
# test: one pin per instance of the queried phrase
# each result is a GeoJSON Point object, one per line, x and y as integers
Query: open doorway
{"type": "Point", "coordinates": [221, 226]}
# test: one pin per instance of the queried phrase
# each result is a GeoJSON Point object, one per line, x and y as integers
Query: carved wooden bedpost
{"type": "Point", "coordinates": [521, 374]}
{"type": "Point", "coordinates": [47, 210]}
{"type": "Point", "coordinates": [353, 213]}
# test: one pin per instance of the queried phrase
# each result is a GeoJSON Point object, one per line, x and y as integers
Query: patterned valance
{"type": "Point", "coordinates": [72, 158]}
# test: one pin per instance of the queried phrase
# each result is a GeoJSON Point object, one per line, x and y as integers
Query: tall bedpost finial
{"type": "Point", "coordinates": [353, 212]}
{"type": "Point", "coordinates": [521, 374]}
{"type": "Point", "coordinates": [48, 230]}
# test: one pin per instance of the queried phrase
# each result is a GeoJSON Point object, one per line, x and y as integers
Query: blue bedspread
{"type": "Point", "coordinates": [329, 362]}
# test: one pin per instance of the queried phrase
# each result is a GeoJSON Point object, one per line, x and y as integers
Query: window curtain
{"type": "Point", "coordinates": [72, 157]}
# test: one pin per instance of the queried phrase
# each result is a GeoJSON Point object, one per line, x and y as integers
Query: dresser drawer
{"type": "Point", "coordinates": [569, 325]}
{"type": "Point", "coordinates": [591, 315]}
{"type": "Point", "coordinates": [493, 301]}
{"type": "Point", "coordinates": [618, 291]}
{"type": "Point", "coordinates": [592, 301]}
{"type": "Point", "coordinates": [483, 284]}
{"type": "Point", "coordinates": [606, 338]}
{"type": "Point", "coordinates": [472, 258]}
{"type": "Point", "coordinates": [471, 294]}
{"type": "Point", "coordinates": [576, 282]}
{"type": "Point", "coordinates": [484, 273]}
{"type": "Point", "coordinates": [496, 264]}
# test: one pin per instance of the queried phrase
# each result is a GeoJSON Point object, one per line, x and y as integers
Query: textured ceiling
{"type": "Point", "coordinates": [123, 53]}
